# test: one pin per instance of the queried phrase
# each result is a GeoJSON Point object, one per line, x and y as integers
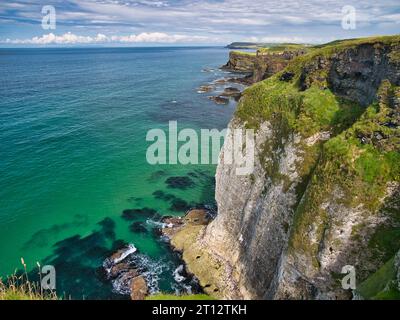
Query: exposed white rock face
{"type": "Point", "coordinates": [338, 248]}
{"type": "Point", "coordinates": [319, 136]}
{"type": "Point", "coordinates": [251, 229]}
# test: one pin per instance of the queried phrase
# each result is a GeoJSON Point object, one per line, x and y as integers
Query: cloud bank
{"type": "Point", "coordinates": [144, 37]}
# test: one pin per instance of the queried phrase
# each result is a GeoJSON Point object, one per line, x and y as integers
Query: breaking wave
{"type": "Point", "coordinates": [159, 224]}
{"type": "Point", "coordinates": [131, 249]}
{"type": "Point", "coordinates": [177, 274]}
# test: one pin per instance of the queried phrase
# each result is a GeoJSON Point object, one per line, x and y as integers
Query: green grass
{"type": "Point", "coordinates": [321, 110]}
{"type": "Point", "coordinates": [354, 42]}
{"type": "Point", "coordinates": [307, 112]}
{"type": "Point", "coordinates": [182, 297]}
{"type": "Point", "coordinates": [244, 53]}
{"type": "Point", "coordinates": [272, 49]}
{"type": "Point", "coordinates": [279, 48]}
{"type": "Point", "coordinates": [382, 285]}
{"type": "Point", "coordinates": [12, 294]}
{"type": "Point", "coordinates": [371, 165]}
{"type": "Point", "coordinates": [20, 288]}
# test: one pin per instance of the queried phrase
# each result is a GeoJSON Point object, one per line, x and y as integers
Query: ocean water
{"type": "Point", "coordinates": [73, 124]}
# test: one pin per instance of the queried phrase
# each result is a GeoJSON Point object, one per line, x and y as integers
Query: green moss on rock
{"type": "Point", "coordinates": [381, 285]}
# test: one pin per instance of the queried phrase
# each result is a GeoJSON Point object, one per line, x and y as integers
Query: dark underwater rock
{"type": "Point", "coordinates": [159, 194]}
{"type": "Point", "coordinates": [138, 227]}
{"type": "Point", "coordinates": [180, 182]}
{"type": "Point", "coordinates": [179, 205]}
{"type": "Point", "coordinates": [131, 214]}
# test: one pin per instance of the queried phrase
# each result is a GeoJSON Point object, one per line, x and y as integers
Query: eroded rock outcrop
{"type": "Point", "coordinates": [260, 65]}
{"type": "Point", "coordinates": [325, 190]}
{"type": "Point", "coordinates": [139, 289]}
{"type": "Point", "coordinates": [131, 273]}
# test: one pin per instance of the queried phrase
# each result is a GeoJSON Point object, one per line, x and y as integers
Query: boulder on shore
{"type": "Point", "coordinates": [139, 289]}
{"type": "Point", "coordinates": [205, 88]}
{"type": "Point", "coordinates": [171, 226]}
{"type": "Point", "coordinates": [195, 217]}
{"type": "Point", "coordinates": [118, 269]}
{"type": "Point", "coordinates": [219, 99]}
{"type": "Point", "coordinates": [125, 274]}
{"type": "Point", "coordinates": [232, 92]}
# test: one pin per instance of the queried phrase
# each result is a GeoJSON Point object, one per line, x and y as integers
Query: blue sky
{"type": "Point", "coordinates": [173, 22]}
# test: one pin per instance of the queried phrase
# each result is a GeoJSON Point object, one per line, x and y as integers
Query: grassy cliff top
{"type": "Point", "coordinates": [322, 49]}
{"type": "Point", "coordinates": [273, 49]}
{"type": "Point", "coordinates": [283, 47]}
{"type": "Point", "coordinates": [253, 45]}
{"type": "Point", "coordinates": [358, 41]}
{"type": "Point", "coordinates": [244, 53]}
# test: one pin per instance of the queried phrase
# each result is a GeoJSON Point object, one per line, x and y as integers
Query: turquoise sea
{"type": "Point", "coordinates": [73, 124]}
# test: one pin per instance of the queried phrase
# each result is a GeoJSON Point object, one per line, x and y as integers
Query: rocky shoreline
{"type": "Point", "coordinates": [127, 276]}
{"type": "Point", "coordinates": [133, 275]}
{"type": "Point", "coordinates": [226, 88]}
{"type": "Point", "coordinates": [185, 236]}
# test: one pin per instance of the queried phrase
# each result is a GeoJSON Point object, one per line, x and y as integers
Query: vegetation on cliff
{"type": "Point", "coordinates": [382, 285]}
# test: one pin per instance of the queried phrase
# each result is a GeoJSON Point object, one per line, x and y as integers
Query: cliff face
{"type": "Point", "coordinates": [241, 61]}
{"type": "Point", "coordinates": [260, 65]}
{"type": "Point", "coordinates": [325, 190]}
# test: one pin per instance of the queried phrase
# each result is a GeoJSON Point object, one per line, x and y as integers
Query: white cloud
{"type": "Point", "coordinates": [144, 37]}
{"type": "Point", "coordinates": [391, 18]}
{"type": "Point", "coordinates": [150, 37]}
{"type": "Point", "coordinates": [67, 38]}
